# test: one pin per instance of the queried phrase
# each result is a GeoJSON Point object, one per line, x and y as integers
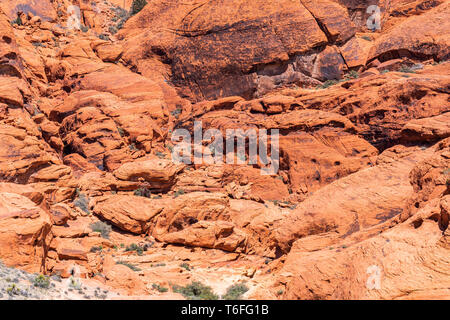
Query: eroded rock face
{"type": "Point", "coordinates": [24, 232]}
{"type": "Point", "coordinates": [215, 48]}
{"type": "Point", "coordinates": [412, 36]}
{"type": "Point", "coordinates": [88, 186]}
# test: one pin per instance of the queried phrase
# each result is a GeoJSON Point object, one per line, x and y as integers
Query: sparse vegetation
{"type": "Point", "coordinates": [161, 264]}
{"type": "Point", "coordinates": [351, 75]}
{"type": "Point", "coordinates": [95, 249]}
{"type": "Point", "coordinates": [196, 291]}
{"type": "Point", "coordinates": [129, 265]}
{"type": "Point", "coordinates": [84, 28]}
{"type": "Point", "coordinates": [160, 155]}
{"type": "Point", "coordinates": [13, 290]}
{"type": "Point", "coordinates": [137, 6]}
{"type": "Point", "coordinates": [134, 247]}
{"type": "Point", "coordinates": [18, 21]}
{"type": "Point", "coordinates": [104, 37]}
{"type": "Point", "coordinates": [143, 192]}
{"type": "Point", "coordinates": [112, 30]}
{"type": "Point", "coordinates": [327, 84]}
{"type": "Point", "coordinates": [159, 288]}
{"type": "Point", "coordinates": [101, 227]}
{"type": "Point", "coordinates": [41, 281]}
{"type": "Point", "coordinates": [235, 292]}
{"type": "Point", "coordinates": [186, 266]}
{"type": "Point", "coordinates": [38, 44]}
{"type": "Point", "coordinates": [178, 193]}
{"type": "Point", "coordinates": [82, 202]}
{"type": "Point", "coordinates": [74, 284]}
{"type": "Point", "coordinates": [406, 70]}
{"type": "Point", "coordinates": [176, 113]}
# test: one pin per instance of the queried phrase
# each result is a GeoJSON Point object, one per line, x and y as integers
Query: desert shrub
{"type": "Point", "coordinates": [112, 30]}
{"type": "Point", "coordinates": [18, 21]}
{"type": "Point", "coordinates": [38, 44]}
{"type": "Point", "coordinates": [161, 264]}
{"type": "Point", "coordinates": [176, 113]}
{"type": "Point", "coordinates": [101, 227]}
{"type": "Point", "coordinates": [178, 193]}
{"type": "Point", "coordinates": [196, 291]}
{"type": "Point", "coordinates": [41, 281]}
{"type": "Point", "coordinates": [84, 28]}
{"type": "Point", "coordinates": [82, 202]}
{"type": "Point", "coordinates": [143, 192]}
{"type": "Point", "coordinates": [129, 265]}
{"type": "Point", "coordinates": [352, 75]}
{"type": "Point", "coordinates": [134, 247]}
{"type": "Point", "coordinates": [327, 84]}
{"type": "Point", "coordinates": [160, 155]}
{"type": "Point", "coordinates": [103, 36]}
{"type": "Point", "coordinates": [159, 288]}
{"type": "Point", "coordinates": [95, 249]}
{"type": "Point", "coordinates": [406, 70]}
{"type": "Point", "coordinates": [137, 6]}
{"type": "Point", "coordinates": [235, 292]}
{"type": "Point", "coordinates": [186, 266]}
{"type": "Point", "coordinates": [74, 284]}
{"type": "Point", "coordinates": [13, 290]}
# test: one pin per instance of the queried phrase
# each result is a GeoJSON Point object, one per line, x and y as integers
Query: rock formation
{"type": "Point", "coordinates": [91, 99]}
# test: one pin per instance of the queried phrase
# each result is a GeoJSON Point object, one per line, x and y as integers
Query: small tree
{"type": "Point", "coordinates": [137, 6]}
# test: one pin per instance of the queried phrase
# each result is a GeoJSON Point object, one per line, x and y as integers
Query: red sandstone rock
{"type": "Point", "coordinates": [363, 183]}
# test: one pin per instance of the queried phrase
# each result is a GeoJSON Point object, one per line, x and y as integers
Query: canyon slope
{"type": "Point", "coordinates": [360, 205]}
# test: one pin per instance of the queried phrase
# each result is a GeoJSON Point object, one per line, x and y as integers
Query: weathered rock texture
{"type": "Point", "coordinates": [358, 209]}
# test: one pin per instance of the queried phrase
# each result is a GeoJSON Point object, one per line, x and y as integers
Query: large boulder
{"type": "Point", "coordinates": [419, 36]}
{"type": "Point", "coordinates": [24, 232]}
{"type": "Point", "coordinates": [159, 173]}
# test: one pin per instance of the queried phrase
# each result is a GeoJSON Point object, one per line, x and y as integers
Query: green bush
{"type": "Point", "coordinates": [352, 75]}
{"type": "Point", "coordinates": [104, 37]}
{"type": "Point", "coordinates": [112, 30]}
{"type": "Point", "coordinates": [41, 281]}
{"type": "Point", "coordinates": [327, 84]}
{"type": "Point", "coordinates": [129, 265]}
{"type": "Point", "coordinates": [235, 292]}
{"type": "Point", "coordinates": [137, 6]}
{"type": "Point", "coordinates": [134, 247]}
{"type": "Point", "coordinates": [95, 249]}
{"type": "Point", "coordinates": [143, 192]}
{"type": "Point", "coordinates": [18, 21]}
{"type": "Point", "coordinates": [159, 288]}
{"type": "Point", "coordinates": [186, 266]}
{"type": "Point", "coordinates": [196, 291]}
{"type": "Point", "coordinates": [101, 227]}
{"type": "Point", "coordinates": [13, 290]}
